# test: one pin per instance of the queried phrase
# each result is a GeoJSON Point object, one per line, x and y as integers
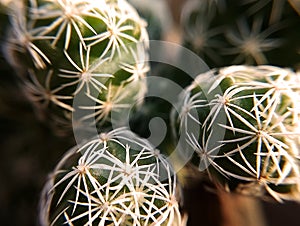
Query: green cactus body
{"type": "Point", "coordinates": [113, 179]}
{"type": "Point", "coordinates": [71, 47]}
{"type": "Point", "coordinates": [256, 111]}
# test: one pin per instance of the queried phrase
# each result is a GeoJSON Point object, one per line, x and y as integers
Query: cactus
{"type": "Point", "coordinates": [76, 47]}
{"type": "Point", "coordinates": [237, 125]}
{"type": "Point", "coordinates": [115, 178]}
{"type": "Point", "coordinates": [248, 121]}
{"type": "Point", "coordinates": [227, 32]}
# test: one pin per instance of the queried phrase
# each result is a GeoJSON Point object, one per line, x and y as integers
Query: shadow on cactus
{"type": "Point", "coordinates": [259, 152]}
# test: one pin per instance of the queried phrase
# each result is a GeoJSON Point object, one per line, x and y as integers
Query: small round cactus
{"type": "Point", "coordinates": [247, 137]}
{"type": "Point", "coordinates": [67, 48]}
{"type": "Point", "coordinates": [113, 179]}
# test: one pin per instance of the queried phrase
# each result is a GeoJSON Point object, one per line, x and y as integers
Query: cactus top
{"type": "Point", "coordinates": [67, 47]}
{"type": "Point", "coordinates": [113, 179]}
{"type": "Point", "coordinates": [247, 128]}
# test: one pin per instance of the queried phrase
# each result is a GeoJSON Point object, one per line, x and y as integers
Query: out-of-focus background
{"type": "Point", "coordinates": [29, 148]}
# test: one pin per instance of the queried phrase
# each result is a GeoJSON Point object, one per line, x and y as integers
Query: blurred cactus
{"type": "Point", "coordinates": [71, 47]}
{"type": "Point", "coordinates": [246, 135]}
{"type": "Point", "coordinates": [157, 15]}
{"type": "Point", "coordinates": [227, 32]}
{"type": "Point", "coordinates": [113, 179]}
